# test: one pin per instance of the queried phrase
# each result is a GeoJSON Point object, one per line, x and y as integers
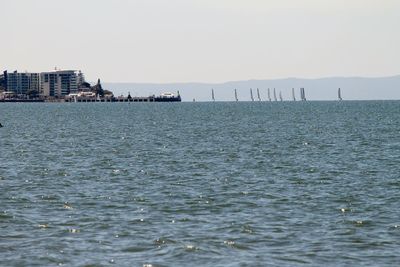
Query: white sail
{"type": "Point", "coordinates": [293, 95]}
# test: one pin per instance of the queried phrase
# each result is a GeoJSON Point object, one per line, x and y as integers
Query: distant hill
{"type": "Point", "coordinates": [354, 88]}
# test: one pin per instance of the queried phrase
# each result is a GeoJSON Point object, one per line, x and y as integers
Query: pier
{"type": "Point", "coordinates": [125, 99]}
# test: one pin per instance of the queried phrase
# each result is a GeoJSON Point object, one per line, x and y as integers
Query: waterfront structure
{"type": "Point", "coordinates": [64, 86]}
{"type": "Point", "coordinates": [59, 83]}
{"type": "Point", "coordinates": [21, 83]}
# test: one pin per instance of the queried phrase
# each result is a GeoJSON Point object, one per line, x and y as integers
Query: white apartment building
{"type": "Point", "coordinates": [59, 83]}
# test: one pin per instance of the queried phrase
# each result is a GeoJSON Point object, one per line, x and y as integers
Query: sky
{"type": "Point", "coordinates": [163, 41]}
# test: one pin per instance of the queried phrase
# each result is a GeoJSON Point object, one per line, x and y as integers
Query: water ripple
{"type": "Point", "coordinates": [224, 184]}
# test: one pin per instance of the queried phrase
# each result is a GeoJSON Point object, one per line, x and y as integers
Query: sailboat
{"type": "Point", "coordinates": [339, 95]}
{"type": "Point", "coordinates": [302, 94]}
{"type": "Point", "coordinates": [258, 95]}
{"type": "Point", "coordinates": [251, 94]}
{"type": "Point", "coordinates": [236, 97]}
{"type": "Point", "coordinates": [269, 95]}
{"type": "Point", "coordinates": [293, 95]}
{"type": "Point", "coordinates": [275, 95]}
{"type": "Point", "coordinates": [212, 95]}
{"type": "Point", "coordinates": [280, 96]}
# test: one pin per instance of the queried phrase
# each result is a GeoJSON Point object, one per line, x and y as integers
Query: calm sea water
{"type": "Point", "coordinates": [200, 184]}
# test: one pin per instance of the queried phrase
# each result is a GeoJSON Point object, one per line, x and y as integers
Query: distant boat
{"type": "Point", "coordinates": [251, 94]}
{"type": "Point", "coordinates": [168, 97]}
{"type": "Point", "coordinates": [280, 96]}
{"type": "Point", "coordinates": [258, 95]}
{"type": "Point", "coordinates": [339, 95]}
{"type": "Point", "coordinates": [269, 95]}
{"type": "Point", "coordinates": [302, 94]}
{"type": "Point", "coordinates": [236, 97]}
{"type": "Point", "coordinates": [212, 95]}
{"type": "Point", "coordinates": [293, 95]}
{"type": "Point", "coordinates": [275, 95]}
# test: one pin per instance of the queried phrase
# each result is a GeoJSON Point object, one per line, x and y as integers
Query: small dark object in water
{"type": "Point", "coordinates": [1, 125]}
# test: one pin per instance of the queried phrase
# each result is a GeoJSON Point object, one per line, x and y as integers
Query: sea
{"type": "Point", "coordinates": [200, 184]}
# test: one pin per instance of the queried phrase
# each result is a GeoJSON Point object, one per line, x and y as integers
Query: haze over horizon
{"type": "Point", "coordinates": [206, 41]}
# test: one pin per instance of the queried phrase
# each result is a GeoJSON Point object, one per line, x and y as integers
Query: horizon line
{"type": "Point", "coordinates": [267, 79]}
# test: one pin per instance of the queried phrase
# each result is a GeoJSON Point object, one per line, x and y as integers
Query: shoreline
{"type": "Point", "coordinates": [92, 100]}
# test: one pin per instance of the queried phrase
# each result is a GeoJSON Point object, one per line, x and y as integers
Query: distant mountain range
{"type": "Point", "coordinates": [353, 88]}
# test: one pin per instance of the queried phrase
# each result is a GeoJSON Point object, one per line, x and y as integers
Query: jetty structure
{"type": "Point", "coordinates": [258, 95]}
{"type": "Point", "coordinates": [339, 95]}
{"type": "Point", "coordinates": [164, 97]}
{"type": "Point", "coordinates": [236, 96]}
{"type": "Point", "coordinates": [293, 95]}
{"type": "Point", "coordinates": [269, 95]}
{"type": "Point", "coordinates": [251, 94]}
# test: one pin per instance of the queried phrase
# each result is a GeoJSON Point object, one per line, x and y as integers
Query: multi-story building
{"type": "Point", "coordinates": [58, 83]}
{"type": "Point", "coordinates": [21, 82]}
{"type": "Point", "coordinates": [2, 82]}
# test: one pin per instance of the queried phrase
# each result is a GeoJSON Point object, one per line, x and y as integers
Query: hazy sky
{"type": "Point", "coordinates": [202, 40]}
